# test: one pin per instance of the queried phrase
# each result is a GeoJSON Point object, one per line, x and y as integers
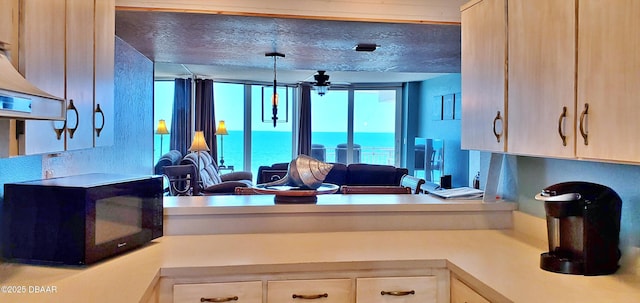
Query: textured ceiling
{"type": "Point", "coordinates": [234, 47]}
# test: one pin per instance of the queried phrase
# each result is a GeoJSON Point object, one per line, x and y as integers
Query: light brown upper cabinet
{"type": "Point", "coordinates": [9, 23]}
{"type": "Point", "coordinates": [572, 78]}
{"type": "Point", "coordinates": [79, 60]}
{"type": "Point", "coordinates": [42, 62]}
{"type": "Point", "coordinates": [541, 74]}
{"type": "Point", "coordinates": [103, 114]}
{"type": "Point", "coordinates": [608, 80]}
{"type": "Point", "coordinates": [484, 47]}
{"type": "Point", "coordinates": [67, 49]}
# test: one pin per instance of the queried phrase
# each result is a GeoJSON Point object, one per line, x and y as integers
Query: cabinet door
{"type": "Point", "coordinates": [483, 75]}
{"type": "Point", "coordinates": [397, 289]}
{"type": "Point", "coordinates": [9, 25]}
{"type": "Point", "coordinates": [42, 62]}
{"type": "Point", "coordinates": [80, 25]}
{"type": "Point", "coordinates": [104, 72]}
{"type": "Point", "coordinates": [236, 292]}
{"type": "Point", "coordinates": [608, 78]}
{"type": "Point", "coordinates": [461, 293]}
{"type": "Point", "coordinates": [542, 77]}
{"type": "Point", "coordinates": [321, 291]}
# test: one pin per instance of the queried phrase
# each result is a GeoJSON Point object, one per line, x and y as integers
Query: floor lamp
{"type": "Point", "coordinates": [162, 130]}
{"type": "Point", "coordinates": [221, 131]}
{"type": "Point", "coordinates": [199, 144]}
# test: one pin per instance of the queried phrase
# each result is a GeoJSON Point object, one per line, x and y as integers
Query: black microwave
{"type": "Point", "coordinates": [80, 219]}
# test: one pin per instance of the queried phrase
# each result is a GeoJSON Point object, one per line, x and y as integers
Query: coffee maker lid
{"type": "Point", "coordinates": [577, 190]}
{"type": "Point", "coordinates": [553, 196]}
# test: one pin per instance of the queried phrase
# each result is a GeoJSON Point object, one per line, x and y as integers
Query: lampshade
{"type": "Point", "coordinates": [199, 144]}
{"type": "Point", "coordinates": [162, 128]}
{"type": "Point", "coordinates": [222, 128]}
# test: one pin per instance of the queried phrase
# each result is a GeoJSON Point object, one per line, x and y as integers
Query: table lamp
{"type": "Point", "coordinates": [221, 131]}
{"type": "Point", "coordinates": [199, 144]}
{"type": "Point", "coordinates": [162, 130]}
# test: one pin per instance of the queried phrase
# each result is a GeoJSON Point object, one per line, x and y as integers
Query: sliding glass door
{"type": "Point", "coordinates": [356, 126]}
{"type": "Point", "coordinates": [374, 126]}
{"type": "Point", "coordinates": [350, 125]}
{"type": "Point", "coordinates": [329, 126]}
{"type": "Point", "coordinates": [270, 144]}
{"type": "Point", "coordinates": [229, 107]}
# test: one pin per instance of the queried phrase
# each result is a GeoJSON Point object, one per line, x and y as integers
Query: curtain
{"type": "Point", "coordinates": [180, 137]}
{"type": "Point", "coordinates": [304, 134]}
{"type": "Point", "coordinates": [205, 116]}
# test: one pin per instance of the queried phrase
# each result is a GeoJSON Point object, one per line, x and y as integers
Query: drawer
{"type": "Point", "coordinates": [310, 291]}
{"type": "Point", "coordinates": [397, 290]}
{"type": "Point", "coordinates": [235, 292]}
{"type": "Point", "coordinates": [461, 293]}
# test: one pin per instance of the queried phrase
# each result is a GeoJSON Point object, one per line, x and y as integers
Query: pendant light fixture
{"type": "Point", "coordinates": [274, 97]}
{"type": "Point", "coordinates": [322, 82]}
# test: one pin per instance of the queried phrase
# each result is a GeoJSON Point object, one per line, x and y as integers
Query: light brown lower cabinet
{"type": "Point", "coordinates": [234, 292]}
{"type": "Point", "coordinates": [461, 293]}
{"type": "Point", "coordinates": [408, 281]}
{"type": "Point", "coordinates": [418, 289]}
{"type": "Point", "coordinates": [321, 291]}
{"type": "Point", "coordinates": [396, 290]}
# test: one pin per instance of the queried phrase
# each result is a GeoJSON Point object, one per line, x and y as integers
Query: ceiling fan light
{"type": "Point", "coordinates": [322, 89]}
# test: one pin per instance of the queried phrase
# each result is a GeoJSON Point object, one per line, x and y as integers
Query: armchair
{"type": "Point", "coordinates": [172, 157]}
{"type": "Point", "coordinates": [209, 179]}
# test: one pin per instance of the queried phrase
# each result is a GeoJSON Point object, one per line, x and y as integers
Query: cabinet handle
{"type": "Point", "coordinates": [59, 131]}
{"type": "Point", "coordinates": [562, 118]}
{"type": "Point", "coordinates": [99, 111]}
{"type": "Point", "coordinates": [310, 297]}
{"type": "Point", "coordinates": [398, 293]}
{"type": "Point", "coordinates": [227, 299]}
{"type": "Point", "coordinates": [495, 121]}
{"type": "Point", "coordinates": [73, 129]}
{"type": "Point", "coordinates": [583, 116]}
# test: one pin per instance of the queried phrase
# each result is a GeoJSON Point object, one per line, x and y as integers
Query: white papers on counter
{"type": "Point", "coordinates": [458, 193]}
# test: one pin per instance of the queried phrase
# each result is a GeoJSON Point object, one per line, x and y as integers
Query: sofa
{"type": "Point", "coordinates": [209, 177]}
{"type": "Point", "coordinates": [353, 174]}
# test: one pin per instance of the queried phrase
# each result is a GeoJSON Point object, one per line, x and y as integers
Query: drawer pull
{"type": "Point", "coordinates": [310, 297]}
{"type": "Point", "coordinates": [227, 299]}
{"type": "Point", "coordinates": [398, 293]}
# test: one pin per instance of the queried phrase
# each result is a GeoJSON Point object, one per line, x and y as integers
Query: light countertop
{"type": "Point", "coordinates": [332, 213]}
{"type": "Point", "coordinates": [246, 204]}
{"type": "Point", "coordinates": [500, 259]}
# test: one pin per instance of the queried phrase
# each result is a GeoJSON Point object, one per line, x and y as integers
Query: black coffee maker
{"type": "Point", "coordinates": [583, 225]}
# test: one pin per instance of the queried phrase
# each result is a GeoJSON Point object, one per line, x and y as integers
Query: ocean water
{"type": "Point", "coordinates": [271, 147]}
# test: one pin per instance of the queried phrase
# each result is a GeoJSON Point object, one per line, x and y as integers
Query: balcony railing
{"type": "Point", "coordinates": [365, 154]}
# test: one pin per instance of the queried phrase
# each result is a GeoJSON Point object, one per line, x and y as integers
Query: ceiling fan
{"type": "Point", "coordinates": [322, 82]}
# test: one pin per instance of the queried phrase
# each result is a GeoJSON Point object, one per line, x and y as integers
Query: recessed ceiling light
{"type": "Point", "coordinates": [366, 47]}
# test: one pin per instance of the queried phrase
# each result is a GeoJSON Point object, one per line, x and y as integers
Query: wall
{"type": "Point", "coordinates": [456, 161]}
{"type": "Point", "coordinates": [133, 128]}
{"type": "Point", "coordinates": [534, 174]}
